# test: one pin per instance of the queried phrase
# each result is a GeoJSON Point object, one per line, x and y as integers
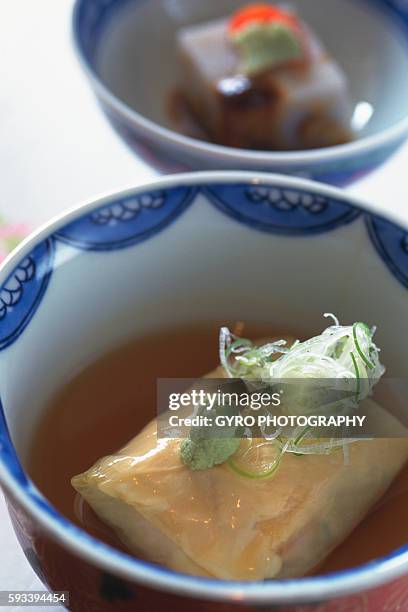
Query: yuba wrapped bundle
{"type": "Point", "coordinates": [269, 508]}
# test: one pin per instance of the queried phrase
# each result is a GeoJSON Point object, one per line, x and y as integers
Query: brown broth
{"type": "Point", "coordinates": [113, 398]}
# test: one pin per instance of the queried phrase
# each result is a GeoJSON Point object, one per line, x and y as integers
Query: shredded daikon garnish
{"type": "Point", "coordinates": [346, 353]}
{"type": "Point", "coordinates": [338, 352]}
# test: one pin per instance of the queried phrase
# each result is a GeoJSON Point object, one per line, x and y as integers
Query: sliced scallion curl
{"type": "Point", "coordinates": [239, 345]}
{"type": "Point", "coordinates": [256, 459]}
{"type": "Point", "coordinates": [301, 435]}
{"type": "Point", "coordinates": [241, 358]}
{"type": "Point", "coordinates": [330, 315]}
{"type": "Point", "coordinates": [317, 447]}
{"type": "Point", "coordinates": [357, 371]}
{"type": "Point", "coordinates": [338, 352]}
{"type": "Point", "coordinates": [366, 330]}
{"type": "Point", "coordinates": [224, 336]}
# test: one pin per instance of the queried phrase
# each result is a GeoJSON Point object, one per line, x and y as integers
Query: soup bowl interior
{"type": "Point", "coordinates": [191, 249]}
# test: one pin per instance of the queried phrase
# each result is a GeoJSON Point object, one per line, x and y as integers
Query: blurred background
{"type": "Point", "coordinates": [57, 150]}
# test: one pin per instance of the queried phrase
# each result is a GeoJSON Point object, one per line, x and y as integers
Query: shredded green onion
{"type": "Point", "coordinates": [301, 435]}
{"type": "Point", "coordinates": [262, 467]}
{"type": "Point", "coordinates": [254, 475]}
{"type": "Point", "coordinates": [357, 374]}
{"type": "Point", "coordinates": [338, 353]}
{"type": "Point", "coordinates": [356, 342]}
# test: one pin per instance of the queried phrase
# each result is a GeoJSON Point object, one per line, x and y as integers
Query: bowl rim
{"type": "Point", "coordinates": [309, 589]}
{"type": "Point", "coordinates": [290, 159]}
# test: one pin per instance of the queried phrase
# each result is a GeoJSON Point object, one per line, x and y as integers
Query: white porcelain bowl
{"type": "Point", "coordinates": [188, 248]}
{"type": "Point", "coordinates": [127, 48]}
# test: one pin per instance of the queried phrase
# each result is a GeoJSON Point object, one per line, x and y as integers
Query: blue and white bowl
{"type": "Point", "coordinates": [128, 51]}
{"type": "Point", "coordinates": [188, 248]}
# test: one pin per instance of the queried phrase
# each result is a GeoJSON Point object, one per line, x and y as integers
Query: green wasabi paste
{"type": "Point", "coordinates": [204, 453]}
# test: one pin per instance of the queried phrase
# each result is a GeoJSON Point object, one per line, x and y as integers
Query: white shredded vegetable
{"type": "Point", "coordinates": [344, 352]}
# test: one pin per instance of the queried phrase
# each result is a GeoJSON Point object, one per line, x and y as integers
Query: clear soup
{"type": "Point", "coordinates": [110, 401]}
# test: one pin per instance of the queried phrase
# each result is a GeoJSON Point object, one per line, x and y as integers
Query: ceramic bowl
{"type": "Point", "coordinates": [127, 50]}
{"type": "Point", "coordinates": [188, 248]}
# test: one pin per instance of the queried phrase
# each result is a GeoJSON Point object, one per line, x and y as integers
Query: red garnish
{"type": "Point", "coordinates": [261, 13]}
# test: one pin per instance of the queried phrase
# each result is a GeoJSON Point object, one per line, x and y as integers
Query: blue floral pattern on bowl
{"type": "Point", "coordinates": [283, 211]}
{"type": "Point", "coordinates": [129, 209]}
{"type": "Point", "coordinates": [22, 292]}
{"type": "Point", "coordinates": [127, 221]}
{"type": "Point", "coordinates": [391, 243]}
